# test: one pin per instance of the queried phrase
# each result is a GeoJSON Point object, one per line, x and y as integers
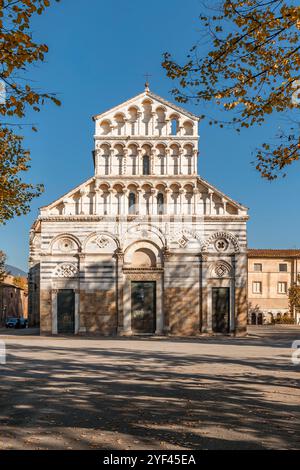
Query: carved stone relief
{"type": "Point", "coordinates": [66, 270]}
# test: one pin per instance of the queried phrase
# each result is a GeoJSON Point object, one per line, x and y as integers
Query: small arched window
{"type": "Point", "coordinates": [160, 203]}
{"type": "Point", "coordinates": [146, 165]}
{"type": "Point", "coordinates": [131, 203]}
{"type": "Point", "coordinates": [174, 126]}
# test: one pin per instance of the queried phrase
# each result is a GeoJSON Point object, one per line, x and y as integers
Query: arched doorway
{"type": "Point", "coordinates": [143, 307]}
{"type": "Point", "coordinates": [143, 289]}
{"type": "Point", "coordinates": [143, 294]}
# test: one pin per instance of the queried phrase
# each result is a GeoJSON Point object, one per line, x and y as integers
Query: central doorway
{"type": "Point", "coordinates": [220, 309]}
{"type": "Point", "coordinates": [143, 307]}
{"type": "Point", "coordinates": [66, 311]}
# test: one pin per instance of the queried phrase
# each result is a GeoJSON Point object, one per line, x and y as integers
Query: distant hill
{"type": "Point", "coordinates": [15, 271]}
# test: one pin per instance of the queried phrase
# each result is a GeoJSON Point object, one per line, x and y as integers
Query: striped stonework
{"type": "Point", "coordinates": [145, 243]}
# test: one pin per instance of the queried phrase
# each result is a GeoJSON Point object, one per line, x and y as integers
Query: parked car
{"type": "Point", "coordinates": [14, 322]}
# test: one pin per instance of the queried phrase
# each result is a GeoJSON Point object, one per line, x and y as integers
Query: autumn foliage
{"type": "Point", "coordinates": [247, 62]}
{"type": "Point", "coordinates": [18, 52]}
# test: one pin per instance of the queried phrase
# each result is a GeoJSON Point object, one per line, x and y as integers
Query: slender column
{"type": "Point", "coordinates": [139, 200]}
{"type": "Point", "coordinates": [111, 192]}
{"type": "Point", "coordinates": [195, 159]}
{"type": "Point", "coordinates": [113, 130]}
{"type": "Point", "coordinates": [206, 325]}
{"type": "Point", "coordinates": [180, 161]}
{"type": "Point", "coordinates": [65, 204]}
{"type": "Point", "coordinates": [139, 122]}
{"type": "Point", "coordinates": [195, 193]}
{"type": "Point", "coordinates": [54, 311]}
{"type": "Point", "coordinates": [96, 200]}
{"type": "Point", "coordinates": [120, 286]}
{"type": "Point", "coordinates": [181, 193]}
{"type": "Point", "coordinates": [152, 162]}
{"type": "Point", "coordinates": [127, 308]}
{"type": "Point", "coordinates": [167, 152]}
{"type": "Point", "coordinates": [110, 156]}
{"type": "Point", "coordinates": [77, 311]}
{"type": "Point", "coordinates": [153, 122]}
{"type": "Point", "coordinates": [167, 127]}
{"type": "Point", "coordinates": [126, 126]}
{"type": "Point", "coordinates": [80, 325]}
{"type": "Point", "coordinates": [139, 161]}
{"type": "Point", "coordinates": [224, 205]}
{"type": "Point", "coordinates": [210, 193]}
{"type": "Point", "coordinates": [125, 201]}
{"type": "Point", "coordinates": [97, 154]}
{"type": "Point", "coordinates": [167, 201]}
{"type": "Point", "coordinates": [159, 308]}
{"type": "Point", "coordinates": [153, 194]}
{"type": "Point", "coordinates": [124, 166]}
{"type": "Point", "coordinates": [82, 194]}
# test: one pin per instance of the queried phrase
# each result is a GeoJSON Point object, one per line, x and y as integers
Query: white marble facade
{"type": "Point", "coordinates": [145, 216]}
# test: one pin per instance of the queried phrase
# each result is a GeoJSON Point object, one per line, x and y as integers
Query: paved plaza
{"type": "Point", "coordinates": [150, 393]}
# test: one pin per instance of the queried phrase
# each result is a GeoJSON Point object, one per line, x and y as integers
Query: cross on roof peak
{"type": "Point", "coordinates": [147, 75]}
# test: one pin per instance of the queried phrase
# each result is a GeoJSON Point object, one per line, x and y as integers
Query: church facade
{"type": "Point", "coordinates": [145, 246]}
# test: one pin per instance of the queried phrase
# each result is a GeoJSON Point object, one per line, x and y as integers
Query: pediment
{"type": "Point", "coordinates": [81, 200]}
{"type": "Point", "coordinates": [72, 199]}
{"type": "Point", "coordinates": [147, 97]}
{"type": "Point", "coordinates": [233, 207]}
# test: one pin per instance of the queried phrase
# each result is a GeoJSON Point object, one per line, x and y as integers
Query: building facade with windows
{"type": "Point", "coordinates": [145, 246]}
{"type": "Point", "coordinates": [13, 298]}
{"type": "Point", "coordinates": [270, 275]}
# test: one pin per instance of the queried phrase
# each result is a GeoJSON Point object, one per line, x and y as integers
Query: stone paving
{"type": "Point", "coordinates": [157, 393]}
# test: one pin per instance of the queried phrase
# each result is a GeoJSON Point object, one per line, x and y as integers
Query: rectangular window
{"type": "Point", "coordinates": [283, 267]}
{"type": "Point", "coordinates": [282, 287]}
{"type": "Point", "coordinates": [257, 287]}
{"type": "Point", "coordinates": [258, 267]}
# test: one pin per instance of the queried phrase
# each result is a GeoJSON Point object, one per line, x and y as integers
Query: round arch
{"type": "Point", "coordinates": [67, 236]}
{"type": "Point", "coordinates": [143, 253]}
{"type": "Point", "coordinates": [96, 235]}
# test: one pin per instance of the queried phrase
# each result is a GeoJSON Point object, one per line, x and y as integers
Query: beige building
{"type": "Point", "coordinates": [270, 275]}
{"type": "Point", "coordinates": [13, 298]}
{"type": "Point", "coordinates": [145, 246]}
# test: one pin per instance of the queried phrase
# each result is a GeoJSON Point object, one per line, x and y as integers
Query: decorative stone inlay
{"type": "Point", "coordinates": [102, 241]}
{"type": "Point", "coordinates": [148, 276]}
{"type": "Point", "coordinates": [66, 245]}
{"type": "Point", "coordinates": [185, 233]}
{"type": "Point", "coordinates": [66, 270]}
{"type": "Point", "coordinates": [142, 270]}
{"type": "Point", "coordinates": [183, 241]}
{"type": "Point", "coordinates": [222, 269]}
{"type": "Point", "coordinates": [221, 245]}
{"type": "Point", "coordinates": [222, 236]}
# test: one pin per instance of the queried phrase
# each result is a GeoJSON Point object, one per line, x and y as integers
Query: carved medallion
{"type": "Point", "coordinates": [66, 270]}
{"type": "Point", "coordinates": [102, 241]}
{"type": "Point", "coordinates": [221, 245]}
{"type": "Point", "coordinates": [183, 241]}
{"type": "Point", "coordinates": [66, 245]}
{"type": "Point", "coordinates": [222, 269]}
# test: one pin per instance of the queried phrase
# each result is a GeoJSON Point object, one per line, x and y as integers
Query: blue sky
{"type": "Point", "coordinates": [99, 52]}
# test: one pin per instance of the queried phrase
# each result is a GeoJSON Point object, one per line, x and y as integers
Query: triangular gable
{"type": "Point", "coordinates": [68, 194]}
{"type": "Point", "coordinates": [221, 194]}
{"type": "Point", "coordinates": [148, 94]}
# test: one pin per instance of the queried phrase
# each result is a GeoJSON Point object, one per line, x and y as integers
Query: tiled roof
{"type": "Point", "coordinates": [270, 253]}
